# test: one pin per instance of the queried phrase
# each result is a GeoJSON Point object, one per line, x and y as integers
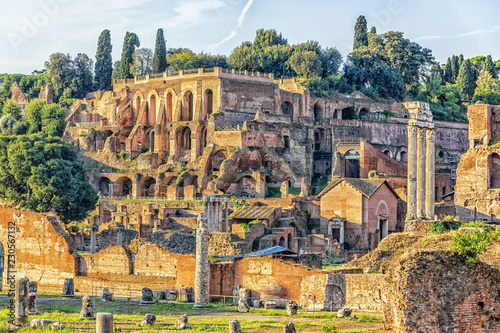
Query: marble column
{"type": "Point", "coordinates": [119, 236]}
{"type": "Point", "coordinates": [421, 136]}
{"type": "Point", "coordinates": [411, 212]}
{"type": "Point", "coordinates": [226, 217]}
{"type": "Point", "coordinates": [430, 180]}
{"type": "Point", "coordinates": [341, 233]}
{"type": "Point", "coordinates": [202, 271]}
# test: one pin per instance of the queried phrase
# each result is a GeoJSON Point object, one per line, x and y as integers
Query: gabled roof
{"type": "Point", "coordinates": [272, 250]}
{"type": "Point", "coordinates": [366, 186]}
{"type": "Point", "coordinates": [254, 212]}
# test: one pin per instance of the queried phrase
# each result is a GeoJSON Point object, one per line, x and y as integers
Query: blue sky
{"type": "Point", "coordinates": [31, 30]}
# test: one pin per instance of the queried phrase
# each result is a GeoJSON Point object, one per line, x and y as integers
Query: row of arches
{"type": "Point", "coordinates": [348, 113]}
{"type": "Point", "coordinates": [152, 115]}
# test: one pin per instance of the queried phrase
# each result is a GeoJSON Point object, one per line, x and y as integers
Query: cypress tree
{"type": "Point", "coordinates": [455, 68]}
{"type": "Point", "coordinates": [360, 33]}
{"type": "Point", "coordinates": [466, 80]}
{"type": "Point", "coordinates": [460, 60]}
{"type": "Point", "coordinates": [448, 74]}
{"type": "Point", "coordinates": [130, 42]}
{"type": "Point", "coordinates": [160, 56]}
{"type": "Point", "coordinates": [103, 62]}
{"type": "Point", "coordinates": [490, 67]}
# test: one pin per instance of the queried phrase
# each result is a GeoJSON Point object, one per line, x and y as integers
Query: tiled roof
{"type": "Point", "coordinates": [271, 250]}
{"type": "Point", "coordinates": [366, 186]}
{"type": "Point", "coordinates": [254, 212]}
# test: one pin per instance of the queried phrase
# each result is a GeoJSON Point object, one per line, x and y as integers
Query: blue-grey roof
{"type": "Point", "coordinates": [271, 250]}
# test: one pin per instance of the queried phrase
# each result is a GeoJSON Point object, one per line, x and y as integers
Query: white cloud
{"type": "Point", "coordinates": [231, 35]}
{"type": "Point", "coordinates": [241, 18]}
{"type": "Point", "coordinates": [192, 12]}
{"type": "Point", "coordinates": [464, 34]}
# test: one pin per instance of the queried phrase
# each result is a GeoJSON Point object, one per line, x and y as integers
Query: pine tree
{"type": "Point", "coordinates": [103, 63]}
{"type": "Point", "coordinates": [460, 60]}
{"type": "Point", "coordinates": [360, 33]}
{"type": "Point", "coordinates": [489, 66]}
{"type": "Point", "coordinates": [160, 56]}
{"type": "Point", "coordinates": [466, 80]}
{"type": "Point", "coordinates": [448, 74]}
{"type": "Point", "coordinates": [455, 68]}
{"type": "Point", "coordinates": [130, 42]}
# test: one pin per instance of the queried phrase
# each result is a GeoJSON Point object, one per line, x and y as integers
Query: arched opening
{"type": "Point", "coordinates": [202, 140]}
{"type": "Point", "coordinates": [184, 141]}
{"type": "Point", "coordinates": [169, 107]}
{"type": "Point", "coordinates": [289, 242]}
{"type": "Point", "coordinates": [193, 181]}
{"type": "Point", "coordinates": [165, 184]}
{"type": "Point", "coordinates": [151, 141]}
{"type": "Point", "coordinates": [348, 113]}
{"type": "Point", "coordinates": [287, 109]}
{"type": "Point", "coordinates": [137, 109]}
{"type": "Point", "coordinates": [147, 187]}
{"type": "Point", "coordinates": [246, 187]}
{"type": "Point", "coordinates": [494, 170]}
{"type": "Point", "coordinates": [274, 242]}
{"type": "Point", "coordinates": [363, 114]}
{"type": "Point", "coordinates": [286, 141]}
{"type": "Point", "coordinates": [318, 113]}
{"type": "Point", "coordinates": [352, 169]}
{"type": "Point", "coordinates": [105, 187]}
{"type": "Point", "coordinates": [282, 241]}
{"type": "Point", "coordinates": [387, 153]}
{"type": "Point", "coordinates": [122, 187]}
{"type": "Point", "coordinates": [404, 156]}
{"type": "Point", "coordinates": [319, 139]}
{"type": "Point", "coordinates": [335, 114]}
{"type": "Point", "coordinates": [219, 157]}
{"type": "Point", "coordinates": [152, 110]}
{"type": "Point", "coordinates": [187, 107]}
{"type": "Point", "coordinates": [208, 100]}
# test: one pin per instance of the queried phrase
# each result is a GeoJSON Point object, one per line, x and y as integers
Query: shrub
{"type": "Point", "coordinates": [471, 243]}
{"type": "Point", "coordinates": [372, 174]}
{"type": "Point", "coordinates": [329, 327]}
{"type": "Point", "coordinates": [179, 182]}
{"type": "Point", "coordinates": [436, 227]}
{"type": "Point", "coordinates": [83, 133]}
{"type": "Point", "coordinates": [182, 167]}
{"type": "Point", "coordinates": [245, 227]}
{"type": "Point", "coordinates": [122, 155]}
{"type": "Point", "coordinates": [256, 221]}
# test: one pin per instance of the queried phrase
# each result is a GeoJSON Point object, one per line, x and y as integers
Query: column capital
{"type": "Point", "coordinates": [431, 134]}
{"type": "Point", "coordinates": [421, 132]}
{"type": "Point", "coordinates": [412, 129]}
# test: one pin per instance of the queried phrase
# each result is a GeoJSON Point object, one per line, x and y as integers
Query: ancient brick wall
{"type": "Point", "coordinates": [366, 292]}
{"type": "Point", "coordinates": [114, 259]}
{"type": "Point", "coordinates": [441, 292]}
{"type": "Point", "coordinates": [42, 248]}
{"type": "Point", "coordinates": [221, 278]}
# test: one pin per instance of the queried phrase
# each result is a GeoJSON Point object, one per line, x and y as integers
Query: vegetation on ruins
{"type": "Point", "coordinates": [130, 43]}
{"type": "Point", "coordinates": [160, 55]}
{"type": "Point", "coordinates": [473, 239]}
{"type": "Point", "coordinates": [43, 173]}
{"type": "Point", "coordinates": [103, 62]}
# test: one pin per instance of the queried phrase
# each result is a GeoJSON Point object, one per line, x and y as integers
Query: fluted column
{"type": "Point", "coordinates": [430, 180]}
{"type": "Point", "coordinates": [202, 270]}
{"type": "Point", "coordinates": [421, 172]}
{"type": "Point", "coordinates": [411, 196]}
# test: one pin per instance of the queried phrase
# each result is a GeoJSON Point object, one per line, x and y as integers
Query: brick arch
{"type": "Point", "coordinates": [170, 96]}
{"type": "Point", "coordinates": [122, 187]}
{"type": "Point", "coordinates": [136, 105]}
{"type": "Point", "coordinates": [208, 104]}
{"type": "Point", "coordinates": [153, 100]}
{"type": "Point", "coordinates": [103, 186]}
{"type": "Point", "coordinates": [169, 180]}
{"type": "Point", "coordinates": [146, 187]}
{"type": "Point", "coordinates": [187, 110]}
{"type": "Point", "coordinates": [201, 140]}
{"type": "Point", "coordinates": [382, 208]}
{"type": "Point", "coordinates": [494, 170]}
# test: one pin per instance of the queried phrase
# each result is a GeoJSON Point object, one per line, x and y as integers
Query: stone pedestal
{"type": "Point", "coordinates": [68, 288]}
{"type": "Point", "coordinates": [147, 296]}
{"type": "Point", "coordinates": [291, 308]}
{"type": "Point", "coordinates": [234, 326]}
{"type": "Point", "coordinates": [106, 295]}
{"type": "Point", "coordinates": [87, 310]}
{"type": "Point", "coordinates": [21, 303]}
{"type": "Point", "coordinates": [104, 322]}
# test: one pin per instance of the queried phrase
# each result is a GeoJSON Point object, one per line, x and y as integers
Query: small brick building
{"type": "Point", "coordinates": [358, 212]}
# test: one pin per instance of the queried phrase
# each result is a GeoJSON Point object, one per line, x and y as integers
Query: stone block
{"type": "Point", "coordinates": [57, 326]}
{"type": "Point", "coordinates": [270, 304]}
{"type": "Point", "coordinates": [149, 319]}
{"type": "Point", "coordinates": [147, 296]}
{"type": "Point", "coordinates": [291, 308]}
{"type": "Point", "coordinates": [106, 295]}
{"type": "Point", "coordinates": [258, 303]}
{"type": "Point", "coordinates": [243, 306]}
{"type": "Point", "coordinates": [68, 288]}
{"type": "Point", "coordinates": [344, 312]}
{"type": "Point", "coordinates": [234, 326]}
{"type": "Point", "coordinates": [104, 322]}
{"type": "Point", "coordinates": [87, 310]}
{"type": "Point", "coordinates": [186, 294]}
{"type": "Point", "coordinates": [182, 322]}
{"type": "Point", "coordinates": [289, 328]}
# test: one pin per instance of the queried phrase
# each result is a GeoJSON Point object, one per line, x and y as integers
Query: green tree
{"type": "Point", "coordinates": [10, 126]}
{"type": "Point", "coordinates": [448, 74]}
{"type": "Point", "coordinates": [331, 59]}
{"type": "Point", "coordinates": [143, 60]}
{"type": "Point", "coordinates": [103, 62]}
{"type": "Point", "coordinates": [116, 70]}
{"type": "Point", "coordinates": [360, 33]}
{"type": "Point", "coordinates": [130, 43]}
{"type": "Point", "coordinates": [487, 89]}
{"type": "Point", "coordinates": [489, 66]}
{"type": "Point", "coordinates": [53, 119]}
{"type": "Point", "coordinates": [59, 73]}
{"type": "Point", "coordinates": [455, 68]}
{"type": "Point", "coordinates": [31, 84]}
{"type": "Point", "coordinates": [9, 107]}
{"type": "Point", "coordinates": [274, 59]}
{"type": "Point", "coordinates": [306, 63]}
{"type": "Point", "coordinates": [244, 57]}
{"type": "Point", "coordinates": [466, 80]}
{"type": "Point", "coordinates": [33, 113]}
{"type": "Point", "coordinates": [43, 173]}
{"type": "Point", "coordinates": [160, 55]}
{"type": "Point", "coordinates": [265, 38]}
{"type": "Point", "coordinates": [9, 79]}
{"type": "Point", "coordinates": [81, 82]}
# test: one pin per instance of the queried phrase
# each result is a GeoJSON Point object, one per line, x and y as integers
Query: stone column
{"type": "Point", "coordinates": [227, 215]}
{"type": "Point", "coordinates": [430, 180]}
{"type": "Point", "coordinates": [202, 272]}
{"type": "Point", "coordinates": [341, 233]}
{"type": "Point", "coordinates": [119, 236]}
{"type": "Point", "coordinates": [411, 190]}
{"type": "Point", "coordinates": [21, 302]}
{"type": "Point", "coordinates": [104, 322]}
{"type": "Point", "coordinates": [421, 172]}
{"type": "Point", "coordinates": [93, 231]}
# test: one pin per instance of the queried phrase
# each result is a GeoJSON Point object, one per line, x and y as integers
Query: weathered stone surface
{"type": "Point", "coordinates": [182, 322]}
{"type": "Point", "coordinates": [270, 304]}
{"type": "Point", "coordinates": [36, 323]}
{"type": "Point", "coordinates": [149, 319]}
{"type": "Point", "coordinates": [32, 298]}
{"type": "Point", "coordinates": [289, 328]}
{"type": "Point", "coordinates": [344, 312]}
{"type": "Point", "coordinates": [21, 303]}
{"type": "Point", "coordinates": [202, 273]}
{"type": "Point", "coordinates": [106, 295]}
{"type": "Point", "coordinates": [87, 311]}
{"type": "Point", "coordinates": [57, 326]}
{"type": "Point", "coordinates": [45, 323]}
{"type": "Point", "coordinates": [68, 288]}
{"type": "Point", "coordinates": [104, 322]}
{"type": "Point", "coordinates": [171, 295]}
{"type": "Point", "coordinates": [243, 306]}
{"type": "Point", "coordinates": [234, 326]}
{"type": "Point", "coordinates": [291, 308]}
{"type": "Point", "coordinates": [186, 294]}
{"type": "Point", "coordinates": [258, 303]}
{"type": "Point", "coordinates": [244, 294]}
{"type": "Point", "coordinates": [147, 296]}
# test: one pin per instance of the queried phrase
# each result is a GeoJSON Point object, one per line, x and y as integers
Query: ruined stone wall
{"type": "Point", "coordinates": [221, 279]}
{"type": "Point", "coordinates": [227, 244]}
{"type": "Point", "coordinates": [366, 292]}
{"type": "Point", "coordinates": [114, 259]}
{"type": "Point", "coordinates": [247, 97]}
{"type": "Point", "coordinates": [441, 292]}
{"type": "Point", "coordinates": [42, 248]}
